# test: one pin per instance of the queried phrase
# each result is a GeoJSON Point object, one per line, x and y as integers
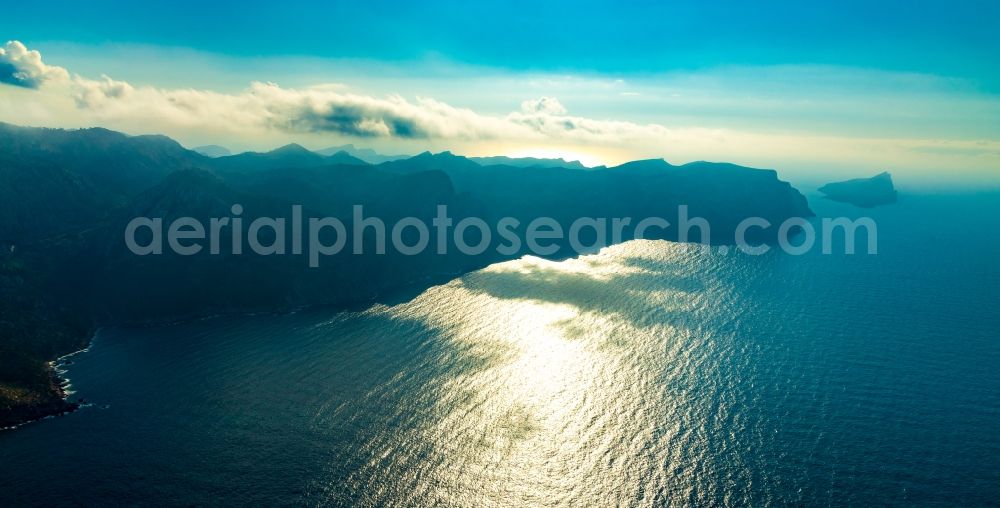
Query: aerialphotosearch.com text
{"type": "Point", "coordinates": [319, 237]}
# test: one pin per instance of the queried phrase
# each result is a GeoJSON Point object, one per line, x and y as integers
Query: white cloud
{"type": "Point", "coordinates": [24, 68]}
{"type": "Point", "coordinates": [328, 109]}
{"type": "Point", "coordinates": [322, 109]}
{"type": "Point", "coordinates": [547, 105]}
{"type": "Point", "coordinates": [325, 109]}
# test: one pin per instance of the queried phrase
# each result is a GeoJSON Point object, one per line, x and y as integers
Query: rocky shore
{"type": "Point", "coordinates": [30, 407]}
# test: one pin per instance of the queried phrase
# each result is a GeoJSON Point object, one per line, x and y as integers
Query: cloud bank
{"type": "Point", "coordinates": [320, 109]}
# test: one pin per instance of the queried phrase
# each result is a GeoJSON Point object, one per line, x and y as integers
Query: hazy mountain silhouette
{"type": "Point", "coordinates": [212, 151]}
{"type": "Point", "coordinates": [444, 161]}
{"type": "Point", "coordinates": [527, 162]}
{"type": "Point", "coordinates": [366, 154]}
{"type": "Point", "coordinates": [289, 156]}
{"type": "Point", "coordinates": [343, 157]}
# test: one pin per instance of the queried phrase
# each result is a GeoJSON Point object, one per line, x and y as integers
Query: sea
{"type": "Point", "coordinates": [648, 374]}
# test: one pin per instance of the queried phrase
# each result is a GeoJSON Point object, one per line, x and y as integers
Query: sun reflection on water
{"type": "Point", "coordinates": [548, 393]}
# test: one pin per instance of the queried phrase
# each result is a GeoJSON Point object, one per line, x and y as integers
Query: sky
{"type": "Point", "coordinates": [808, 88]}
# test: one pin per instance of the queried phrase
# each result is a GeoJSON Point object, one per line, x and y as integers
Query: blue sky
{"type": "Point", "coordinates": [950, 38]}
{"type": "Point", "coordinates": [785, 84]}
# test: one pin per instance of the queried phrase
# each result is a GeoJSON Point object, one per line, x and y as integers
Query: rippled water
{"type": "Point", "coordinates": [644, 375]}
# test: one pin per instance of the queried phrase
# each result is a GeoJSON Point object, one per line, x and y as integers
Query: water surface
{"type": "Point", "coordinates": [647, 374]}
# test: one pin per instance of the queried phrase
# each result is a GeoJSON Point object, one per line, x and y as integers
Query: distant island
{"type": "Point", "coordinates": [863, 192]}
{"type": "Point", "coordinates": [67, 195]}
